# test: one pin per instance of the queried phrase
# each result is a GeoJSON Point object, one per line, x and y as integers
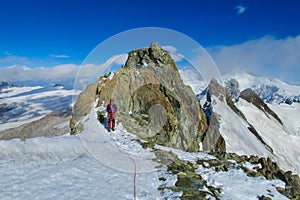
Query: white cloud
{"type": "Point", "coordinates": [59, 56]}
{"type": "Point", "coordinates": [89, 72]}
{"type": "Point", "coordinates": [266, 56]}
{"type": "Point", "coordinates": [240, 9]}
{"type": "Point", "coordinates": [173, 52]}
{"type": "Point", "coordinates": [171, 49]}
{"type": "Point", "coordinates": [25, 73]}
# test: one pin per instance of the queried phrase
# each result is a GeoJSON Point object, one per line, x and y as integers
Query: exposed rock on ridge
{"type": "Point", "coordinates": [250, 96]}
{"type": "Point", "coordinates": [153, 102]}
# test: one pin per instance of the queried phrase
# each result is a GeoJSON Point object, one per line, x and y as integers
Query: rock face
{"type": "Point", "coordinates": [153, 102]}
{"type": "Point", "coordinates": [232, 87]}
{"type": "Point", "coordinates": [213, 139]}
{"type": "Point", "coordinates": [82, 107]}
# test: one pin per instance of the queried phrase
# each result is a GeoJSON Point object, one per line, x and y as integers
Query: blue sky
{"type": "Point", "coordinates": [238, 34]}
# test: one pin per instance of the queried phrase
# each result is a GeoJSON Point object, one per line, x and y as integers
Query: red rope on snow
{"type": "Point", "coordinates": [134, 177]}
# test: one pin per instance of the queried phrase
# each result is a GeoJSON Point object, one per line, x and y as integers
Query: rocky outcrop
{"type": "Point", "coordinates": [232, 88]}
{"type": "Point", "coordinates": [250, 96]}
{"type": "Point", "coordinates": [212, 139]}
{"type": "Point", "coordinates": [217, 90]}
{"type": "Point", "coordinates": [153, 102]}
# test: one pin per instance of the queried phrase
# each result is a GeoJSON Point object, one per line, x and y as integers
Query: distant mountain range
{"type": "Point", "coordinates": [4, 85]}
{"type": "Point", "coordinates": [22, 107]}
{"type": "Point", "coordinates": [272, 91]}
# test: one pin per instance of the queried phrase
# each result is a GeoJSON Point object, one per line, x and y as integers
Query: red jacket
{"type": "Point", "coordinates": [112, 110]}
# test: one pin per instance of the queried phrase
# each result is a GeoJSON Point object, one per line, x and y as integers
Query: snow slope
{"type": "Point", "coordinates": [240, 140]}
{"type": "Point", "coordinates": [283, 139]}
{"type": "Point", "coordinates": [235, 131]}
{"type": "Point", "coordinates": [65, 167]}
{"type": "Point", "coordinates": [95, 165]}
{"type": "Point", "coordinates": [289, 115]}
{"type": "Point", "coordinates": [285, 145]}
{"type": "Point", "coordinates": [20, 105]}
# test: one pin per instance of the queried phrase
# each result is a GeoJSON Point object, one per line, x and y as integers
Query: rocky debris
{"type": "Point", "coordinates": [153, 102]}
{"type": "Point", "coordinates": [263, 197]}
{"type": "Point", "coordinates": [191, 184]}
{"type": "Point", "coordinates": [250, 96]}
{"type": "Point", "coordinates": [265, 167]}
{"type": "Point", "coordinates": [271, 170]}
{"type": "Point", "coordinates": [53, 124]}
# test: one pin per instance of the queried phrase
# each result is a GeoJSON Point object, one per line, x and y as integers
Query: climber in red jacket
{"type": "Point", "coordinates": [112, 114]}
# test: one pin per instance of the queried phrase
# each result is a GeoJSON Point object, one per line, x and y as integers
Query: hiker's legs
{"type": "Point", "coordinates": [108, 124]}
{"type": "Point", "coordinates": [113, 124]}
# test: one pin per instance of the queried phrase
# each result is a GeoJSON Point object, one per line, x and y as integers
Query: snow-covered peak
{"type": "Point", "coordinates": [271, 90]}
{"type": "Point", "coordinates": [247, 80]}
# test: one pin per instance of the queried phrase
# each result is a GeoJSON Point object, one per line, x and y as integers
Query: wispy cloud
{"type": "Point", "coordinates": [266, 56]}
{"type": "Point", "coordinates": [240, 9]}
{"type": "Point", "coordinates": [7, 53]}
{"type": "Point", "coordinates": [59, 56]}
{"type": "Point", "coordinates": [11, 59]}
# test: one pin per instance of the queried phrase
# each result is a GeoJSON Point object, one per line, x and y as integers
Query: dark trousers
{"type": "Point", "coordinates": [111, 122]}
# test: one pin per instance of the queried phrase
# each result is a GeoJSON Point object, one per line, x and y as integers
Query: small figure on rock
{"type": "Point", "coordinates": [112, 114]}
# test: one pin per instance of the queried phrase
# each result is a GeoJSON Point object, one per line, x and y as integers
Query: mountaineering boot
{"type": "Point", "coordinates": [113, 129]}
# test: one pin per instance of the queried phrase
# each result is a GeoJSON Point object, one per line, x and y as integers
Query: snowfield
{"type": "Point", "coordinates": [95, 165]}
{"type": "Point", "coordinates": [290, 115]}
{"type": "Point", "coordinates": [21, 105]}
{"type": "Point", "coordinates": [63, 167]}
